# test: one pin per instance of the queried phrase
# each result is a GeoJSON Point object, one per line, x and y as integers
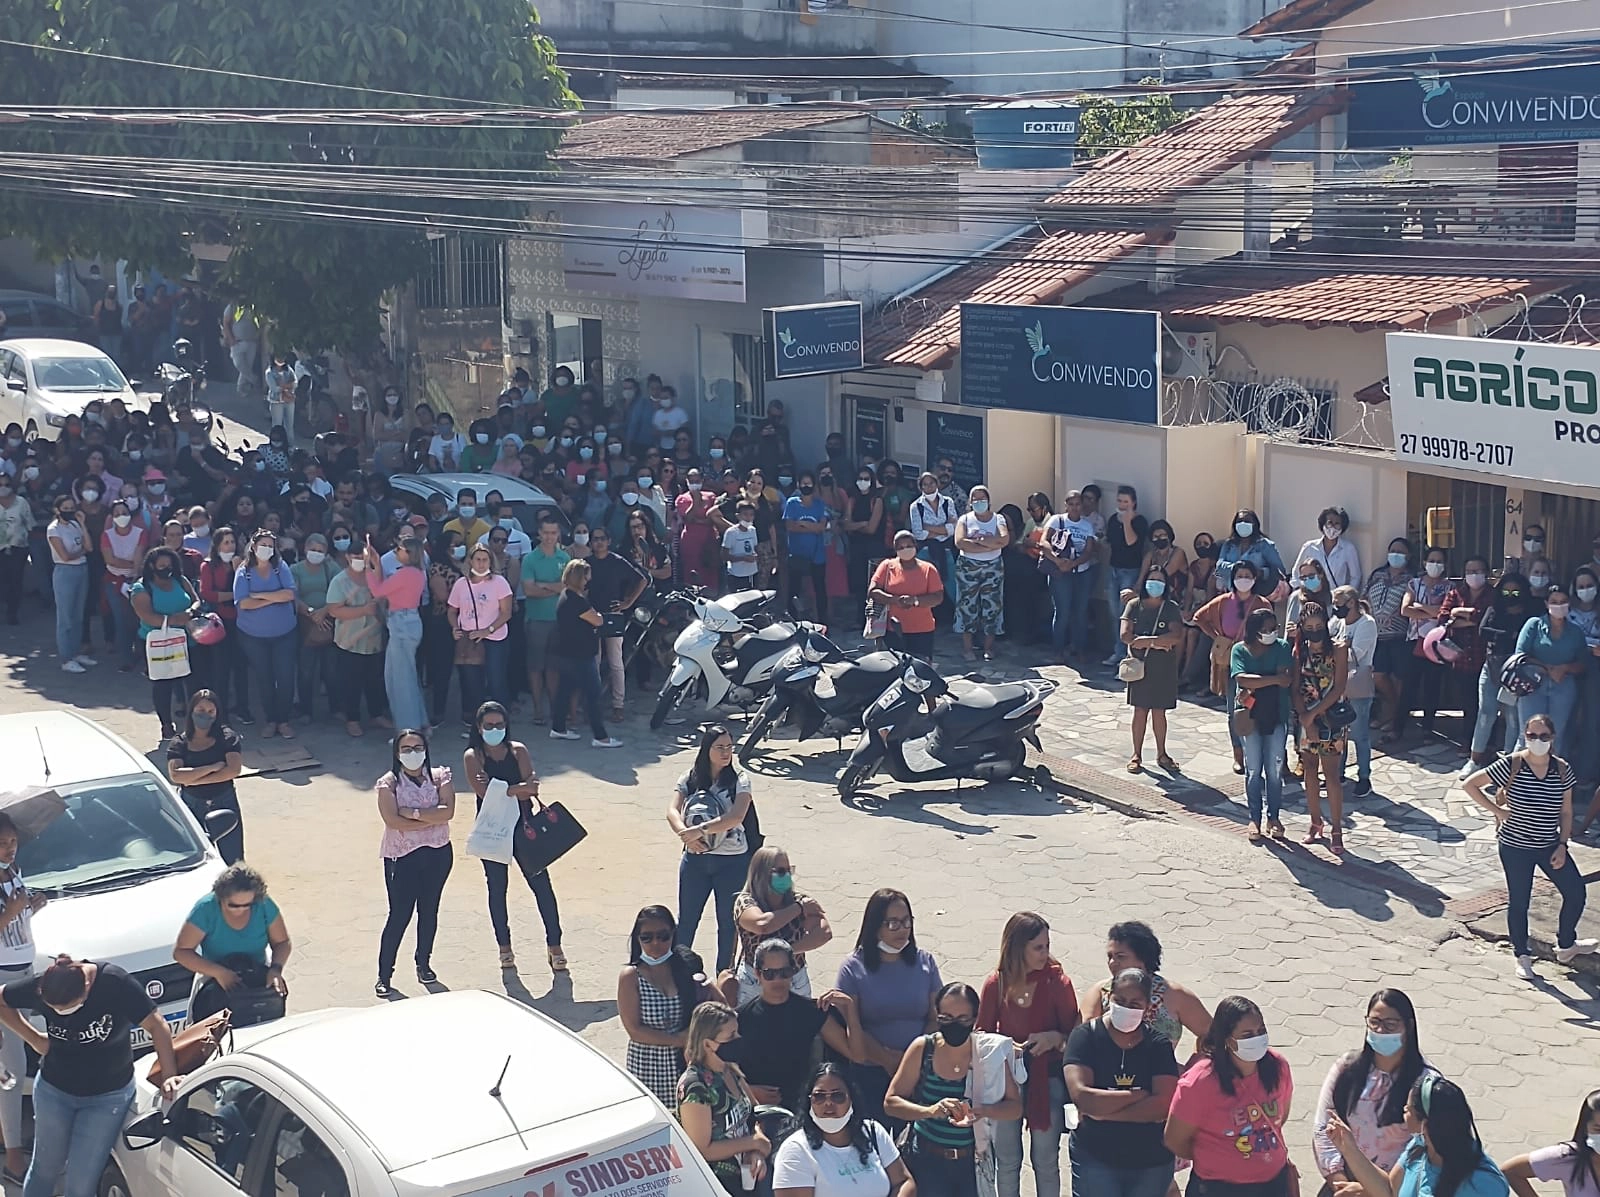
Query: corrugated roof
{"type": "Point", "coordinates": [1196, 150]}
{"type": "Point", "coordinates": [673, 134]}
{"type": "Point", "coordinates": [1303, 16]}
{"type": "Point", "coordinates": [1036, 268]}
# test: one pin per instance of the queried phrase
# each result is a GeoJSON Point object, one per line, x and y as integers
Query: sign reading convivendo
{"type": "Point", "coordinates": [1513, 408]}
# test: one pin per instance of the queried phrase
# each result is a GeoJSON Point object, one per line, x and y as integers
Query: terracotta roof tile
{"type": "Point", "coordinates": [673, 134]}
{"type": "Point", "coordinates": [1303, 16]}
{"type": "Point", "coordinates": [1217, 138]}
{"type": "Point", "coordinates": [1035, 268]}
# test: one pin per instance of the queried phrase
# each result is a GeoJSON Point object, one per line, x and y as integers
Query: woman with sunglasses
{"type": "Point", "coordinates": [1532, 809]}
{"type": "Point", "coordinates": [657, 991]}
{"type": "Point", "coordinates": [236, 924]}
{"type": "Point", "coordinates": [416, 802]}
{"type": "Point", "coordinates": [949, 1086]}
{"type": "Point", "coordinates": [770, 907]}
{"type": "Point", "coordinates": [779, 1028]}
{"type": "Point", "coordinates": [838, 1151]}
{"type": "Point", "coordinates": [1445, 1157]}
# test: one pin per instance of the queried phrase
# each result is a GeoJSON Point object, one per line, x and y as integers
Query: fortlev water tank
{"type": "Point", "coordinates": [1024, 134]}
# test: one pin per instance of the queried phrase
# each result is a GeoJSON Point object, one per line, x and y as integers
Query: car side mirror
{"type": "Point", "coordinates": [16, 384]}
{"type": "Point", "coordinates": [220, 823]}
{"type": "Point", "coordinates": [146, 1131]}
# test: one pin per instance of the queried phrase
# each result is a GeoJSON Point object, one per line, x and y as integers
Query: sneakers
{"type": "Point", "coordinates": [1363, 788]}
{"type": "Point", "coordinates": [85, 660]}
{"type": "Point", "coordinates": [566, 735]}
{"type": "Point", "coordinates": [1580, 947]}
{"type": "Point", "coordinates": [611, 742]}
{"type": "Point", "coordinates": [1468, 769]}
{"type": "Point", "coordinates": [72, 667]}
{"type": "Point", "coordinates": [1525, 969]}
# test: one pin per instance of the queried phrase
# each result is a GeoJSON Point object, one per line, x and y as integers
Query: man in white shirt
{"type": "Point", "coordinates": [1338, 557]}
{"type": "Point", "coordinates": [502, 516]}
{"type": "Point", "coordinates": [1069, 544]}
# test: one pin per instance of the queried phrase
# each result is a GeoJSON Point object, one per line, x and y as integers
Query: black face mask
{"type": "Point", "coordinates": [806, 488]}
{"type": "Point", "coordinates": [954, 1033]}
{"type": "Point", "coordinates": [164, 571]}
{"type": "Point", "coordinates": [1160, 542]}
{"type": "Point", "coordinates": [731, 1051]}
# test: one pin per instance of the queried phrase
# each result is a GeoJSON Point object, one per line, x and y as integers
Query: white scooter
{"type": "Point", "coordinates": [726, 651]}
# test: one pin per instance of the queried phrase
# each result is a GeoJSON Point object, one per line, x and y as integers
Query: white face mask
{"type": "Point", "coordinates": [412, 758]}
{"type": "Point", "coordinates": [1539, 747]}
{"type": "Point", "coordinates": [225, 555]}
{"type": "Point", "coordinates": [863, 485]}
{"type": "Point", "coordinates": [1244, 528]}
{"type": "Point", "coordinates": [1477, 580]}
{"type": "Point", "coordinates": [1244, 585]}
{"type": "Point", "coordinates": [122, 521]}
{"type": "Point", "coordinates": [580, 538]}
{"type": "Point", "coordinates": [630, 499]}
{"type": "Point", "coordinates": [1251, 1049]}
{"type": "Point", "coordinates": [1267, 637]}
{"type": "Point", "coordinates": [263, 552]}
{"type": "Point", "coordinates": [1331, 531]}
{"type": "Point", "coordinates": [358, 564]}
{"type": "Point", "coordinates": [1594, 1142]}
{"type": "Point", "coordinates": [889, 949]}
{"type": "Point", "coordinates": [315, 557]}
{"type": "Point", "coordinates": [1125, 1018]}
{"type": "Point", "coordinates": [1586, 593]}
{"type": "Point", "coordinates": [1434, 568]}
{"type": "Point", "coordinates": [831, 1126]}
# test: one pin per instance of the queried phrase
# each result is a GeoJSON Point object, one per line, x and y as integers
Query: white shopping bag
{"type": "Point", "coordinates": [166, 652]}
{"type": "Point", "coordinates": [494, 829]}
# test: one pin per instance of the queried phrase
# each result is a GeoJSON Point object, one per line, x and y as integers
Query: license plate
{"type": "Point", "coordinates": [175, 1023]}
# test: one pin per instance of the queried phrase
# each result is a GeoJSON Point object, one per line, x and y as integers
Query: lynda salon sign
{"type": "Point", "coordinates": [1504, 94]}
{"type": "Point", "coordinates": [816, 338]}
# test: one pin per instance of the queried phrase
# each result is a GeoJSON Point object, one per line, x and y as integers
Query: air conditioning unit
{"type": "Point", "coordinates": [1188, 354]}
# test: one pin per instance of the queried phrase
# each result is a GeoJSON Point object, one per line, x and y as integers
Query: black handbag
{"type": "Point", "coordinates": [1339, 716]}
{"type": "Point", "coordinates": [551, 832]}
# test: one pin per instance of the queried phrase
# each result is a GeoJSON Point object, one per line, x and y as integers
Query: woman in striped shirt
{"type": "Point", "coordinates": [1532, 809]}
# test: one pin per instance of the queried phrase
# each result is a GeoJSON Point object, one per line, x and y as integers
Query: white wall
{"type": "Point", "coordinates": [1294, 482]}
{"type": "Point", "coordinates": [675, 97]}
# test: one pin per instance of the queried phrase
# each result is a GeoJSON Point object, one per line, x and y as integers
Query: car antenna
{"type": "Point", "coordinates": [38, 735]}
{"type": "Point", "coordinates": [495, 1092]}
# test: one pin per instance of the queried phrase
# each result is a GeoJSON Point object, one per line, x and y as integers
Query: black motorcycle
{"type": "Point", "coordinates": [182, 380]}
{"type": "Point", "coordinates": [922, 730]}
{"type": "Point", "coordinates": [823, 687]}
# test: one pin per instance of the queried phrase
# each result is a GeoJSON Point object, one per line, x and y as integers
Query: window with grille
{"type": "Point", "coordinates": [463, 272]}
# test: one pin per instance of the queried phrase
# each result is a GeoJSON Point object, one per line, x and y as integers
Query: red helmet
{"type": "Point", "coordinates": [207, 629]}
{"type": "Point", "coordinates": [1439, 648]}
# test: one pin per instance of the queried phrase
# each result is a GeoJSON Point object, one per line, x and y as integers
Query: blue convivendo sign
{"type": "Point", "coordinates": [817, 338]}
{"type": "Point", "coordinates": [1100, 363]}
{"type": "Point", "coordinates": [1450, 97]}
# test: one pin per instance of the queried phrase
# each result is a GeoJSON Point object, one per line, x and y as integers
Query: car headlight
{"type": "Point", "coordinates": [54, 420]}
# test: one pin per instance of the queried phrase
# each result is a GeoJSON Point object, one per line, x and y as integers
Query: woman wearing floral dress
{"type": "Point", "coordinates": [1320, 669]}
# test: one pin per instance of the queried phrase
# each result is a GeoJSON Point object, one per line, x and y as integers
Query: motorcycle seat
{"type": "Point", "coordinates": [870, 663]}
{"type": "Point", "coordinates": [972, 708]}
{"type": "Point", "coordinates": [775, 632]}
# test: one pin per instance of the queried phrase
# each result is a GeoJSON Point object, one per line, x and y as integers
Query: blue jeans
{"type": "Point", "coordinates": [1044, 1150]}
{"type": "Point", "coordinates": [123, 620]}
{"type": "Point", "coordinates": [1489, 709]}
{"type": "Point", "coordinates": [71, 586]}
{"type": "Point", "coordinates": [939, 1177]}
{"type": "Point", "coordinates": [1091, 1178]}
{"type": "Point", "coordinates": [400, 681]}
{"type": "Point", "coordinates": [577, 676]}
{"type": "Point", "coordinates": [1118, 580]}
{"type": "Point", "coordinates": [941, 555]}
{"type": "Point", "coordinates": [1587, 753]}
{"type": "Point", "coordinates": [274, 661]}
{"type": "Point", "coordinates": [1069, 601]}
{"type": "Point", "coordinates": [1263, 769]}
{"type": "Point", "coordinates": [1361, 733]}
{"type": "Point", "coordinates": [701, 874]}
{"type": "Point", "coordinates": [72, 1139]}
{"type": "Point", "coordinates": [1519, 864]}
{"type": "Point", "coordinates": [1556, 699]}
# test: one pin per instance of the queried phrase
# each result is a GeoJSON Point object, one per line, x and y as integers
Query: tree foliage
{"type": "Point", "coordinates": [316, 277]}
{"type": "Point", "coordinates": [1105, 123]}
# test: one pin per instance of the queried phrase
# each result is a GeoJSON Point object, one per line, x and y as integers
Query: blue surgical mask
{"type": "Point", "coordinates": [342, 543]}
{"type": "Point", "coordinates": [981, 506]}
{"type": "Point", "coordinates": [1385, 1045]}
{"type": "Point", "coordinates": [1397, 560]}
{"type": "Point", "coordinates": [203, 721]}
{"type": "Point", "coordinates": [647, 958]}
{"type": "Point", "coordinates": [494, 736]}
{"type": "Point", "coordinates": [1313, 583]}
{"type": "Point", "coordinates": [1155, 587]}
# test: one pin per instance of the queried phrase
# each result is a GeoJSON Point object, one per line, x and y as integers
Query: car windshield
{"type": "Point", "coordinates": [122, 827]}
{"type": "Point", "coordinates": [78, 374]}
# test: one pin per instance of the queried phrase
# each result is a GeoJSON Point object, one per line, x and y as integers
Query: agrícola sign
{"type": "Point", "coordinates": [1462, 96]}
{"type": "Point", "coordinates": [816, 338]}
{"type": "Point", "coordinates": [1515, 409]}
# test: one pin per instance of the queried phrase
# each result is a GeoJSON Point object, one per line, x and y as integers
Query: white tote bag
{"type": "Point", "coordinates": [494, 830]}
{"type": "Point", "coordinates": [166, 652]}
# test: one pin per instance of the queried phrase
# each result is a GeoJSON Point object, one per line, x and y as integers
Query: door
{"type": "Point", "coordinates": [301, 1163]}
{"type": "Point", "coordinates": [218, 1148]}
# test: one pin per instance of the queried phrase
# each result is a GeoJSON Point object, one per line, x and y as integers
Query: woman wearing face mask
{"type": "Point", "coordinates": [357, 645]}
{"type": "Point", "coordinates": [1311, 585]}
{"type": "Point", "coordinates": [1200, 589]}
{"type": "Point", "coordinates": [445, 565]}
{"type": "Point", "coordinates": [164, 597]}
{"type": "Point", "coordinates": [416, 801]}
{"type": "Point", "coordinates": [224, 663]}
{"type": "Point", "coordinates": [1321, 669]}
{"type": "Point", "coordinates": [1248, 543]}
{"type": "Point", "coordinates": [1171, 1009]}
{"type": "Point", "coordinates": [1236, 1072]}
{"type": "Point", "coordinates": [711, 813]}
{"type": "Point", "coordinates": [911, 590]}
{"type": "Point", "coordinates": [389, 432]}
{"type": "Point", "coordinates": [123, 546]}
{"type": "Point", "coordinates": [1386, 592]}
{"type": "Point", "coordinates": [698, 556]}
{"type": "Point", "coordinates": [770, 907]}
{"type": "Point", "coordinates": [714, 1103]}
{"type": "Point", "coordinates": [1532, 809]}
{"type": "Point", "coordinates": [1445, 1157]}
{"type": "Point", "coordinates": [479, 451]}
{"type": "Point", "coordinates": [481, 606]}
{"type": "Point", "coordinates": [1030, 998]}
{"type": "Point", "coordinates": [94, 514]}
{"type": "Point", "coordinates": [981, 535]}
{"type": "Point", "coordinates": [657, 992]}
{"type": "Point", "coordinates": [939, 1090]}
{"type": "Point", "coordinates": [645, 548]}
{"type": "Point", "coordinates": [1575, 1164]}
{"type": "Point", "coordinates": [1262, 672]}
{"type": "Point", "coordinates": [1463, 611]}
{"type": "Point", "coordinates": [1367, 1090]}
{"type": "Point", "coordinates": [1558, 646]}
{"type": "Point", "coordinates": [491, 756]}
{"type": "Point", "coordinates": [838, 1151]}
{"type": "Point", "coordinates": [1541, 573]}
{"type": "Point", "coordinates": [1152, 628]}
{"type": "Point", "coordinates": [1585, 615]}
{"type": "Point", "coordinates": [1122, 1076]}
{"type": "Point", "coordinates": [1508, 614]}
{"type": "Point", "coordinates": [313, 574]}
{"type": "Point", "coordinates": [1424, 608]}
{"type": "Point", "coordinates": [1222, 619]}
{"type": "Point", "coordinates": [863, 527]}
{"type": "Point", "coordinates": [203, 763]}
{"type": "Point", "coordinates": [1338, 556]}
{"type": "Point", "coordinates": [1353, 624]}
{"type": "Point", "coordinates": [263, 591]}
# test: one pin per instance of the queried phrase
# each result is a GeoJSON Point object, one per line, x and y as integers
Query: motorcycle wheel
{"type": "Point", "coordinates": [670, 697]}
{"type": "Point", "coordinates": [1019, 760]}
{"type": "Point", "coordinates": [852, 779]}
{"type": "Point", "coordinates": [759, 727]}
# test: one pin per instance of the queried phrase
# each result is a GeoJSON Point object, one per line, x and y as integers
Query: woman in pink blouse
{"type": "Point", "coordinates": [416, 801]}
{"type": "Point", "coordinates": [480, 608]}
{"type": "Point", "coordinates": [402, 592]}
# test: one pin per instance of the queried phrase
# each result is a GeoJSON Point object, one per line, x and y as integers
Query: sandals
{"type": "Point", "coordinates": [508, 958]}
{"type": "Point", "coordinates": [558, 959]}
{"type": "Point", "coordinates": [1315, 834]}
{"type": "Point", "coordinates": [1167, 763]}
{"type": "Point", "coordinates": [1275, 829]}
{"type": "Point", "coordinates": [1254, 834]}
{"type": "Point", "coordinates": [1336, 842]}
{"type": "Point", "coordinates": [1135, 765]}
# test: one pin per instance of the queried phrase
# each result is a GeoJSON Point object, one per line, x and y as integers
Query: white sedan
{"type": "Point", "coordinates": [47, 380]}
{"type": "Point", "coordinates": [465, 1094]}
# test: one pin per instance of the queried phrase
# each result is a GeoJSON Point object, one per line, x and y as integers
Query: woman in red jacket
{"type": "Point", "coordinates": [221, 667]}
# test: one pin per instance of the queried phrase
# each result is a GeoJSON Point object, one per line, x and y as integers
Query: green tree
{"type": "Point", "coordinates": [1105, 123]}
{"type": "Point", "coordinates": [296, 254]}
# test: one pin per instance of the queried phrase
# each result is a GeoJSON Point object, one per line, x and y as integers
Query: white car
{"type": "Point", "coordinates": [124, 863]}
{"type": "Point", "coordinates": [529, 503]}
{"type": "Point", "coordinates": [47, 380]}
{"type": "Point", "coordinates": [466, 1093]}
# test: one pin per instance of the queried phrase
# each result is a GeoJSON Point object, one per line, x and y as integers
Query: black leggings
{"type": "Point", "coordinates": [415, 882]}
{"type": "Point", "coordinates": [162, 694]}
{"type": "Point", "coordinates": [360, 675]}
{"type": "Point", "coordinates": [1424, 683]}
{"type": "Point", "coordinates": [231, 846]}
{"type": "Point", "coordinates": [498, 876]}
